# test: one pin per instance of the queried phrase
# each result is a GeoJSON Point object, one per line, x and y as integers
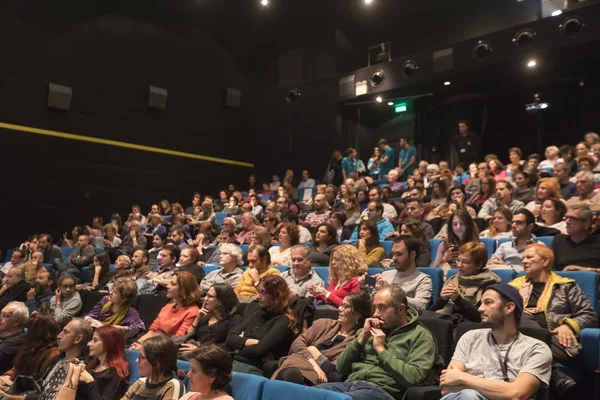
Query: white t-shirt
{"type": "Point", "coordinates": [476, 350]}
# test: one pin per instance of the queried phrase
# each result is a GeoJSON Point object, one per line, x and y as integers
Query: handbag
{"type": "Point", "coordinates": [23, 386]}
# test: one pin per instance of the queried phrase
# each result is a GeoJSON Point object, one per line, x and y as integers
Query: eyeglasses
{"type": "Point", "coordinates": [141, 357]}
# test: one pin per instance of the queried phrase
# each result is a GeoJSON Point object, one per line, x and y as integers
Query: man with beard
{"type": "Point", "coordinates": [416, 285]}
{"type": "Point", "coordinates": [38, 297]}
{"type": "Point", "coordinates": [139, 260]}
{"type": "Point", "coordinates": [497, 362]}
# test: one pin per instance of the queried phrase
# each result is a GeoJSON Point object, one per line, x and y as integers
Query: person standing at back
{"type": "Point", "coordinates": [407, 158]}
{"type": "Point", "coordinates": [387, 160]}
{"type": "Point", "coordinates": [468, 144]}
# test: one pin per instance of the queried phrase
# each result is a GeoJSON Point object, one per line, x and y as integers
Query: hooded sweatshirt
{"type": "Point", "coordinates": [408, 357]}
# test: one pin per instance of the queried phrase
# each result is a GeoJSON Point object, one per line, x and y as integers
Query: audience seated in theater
{"type": "Point", "coordinates": [220, 203]}
{"type": "Point", "coordinates": [586, 194]}
{"type": "Point", "coordinates": [196, 201]}
{"type": "Point", "coordinates": [210, 253]}
{"type": "Point", "coordinates": [154, 225]}
{"type": "Point", "coordinates": [497, 170]}
{"type": "Point", "coordinates": [188, 261]}
{"type": "Point", "coordinates": [552, 215]}
{"type": "Point", "coordinates": [177, 236]}
{"type": "Point", "coordinates": [477, 171]}
{"type": "Point", "coordinates": [17, 259]}
{"type": "Point", "coordinates": [169, 255]}
{"type": "Point", "coordinates": [30, 246]}
{"type": "Point", "coordinates": [500, 225]}
{"type": "Point", "coordinates": [133, 238]}
{"type": "Point", "coordinates": [461, 295]}
{"type": "Point", "coordinates": [157, 364]}
{"type": "Point", "coordinates": [551, 158]}
{"type": "Point", "coordinates": [267, 332]}
{"type": "Point", "coordinates": [320, 213]}
{"type": "Point", "coordinates": [522, 191]}
{"type": "Point", "coordinates": [510, 254]}
{"type": "Point", "coordinates": [37, 349]}
{"type": "Point", "coordinates": [471, 375]}
{"type": "Point", "coordinates": [288, 236]}
{"type": "Point", "coordinates": [515, 155]}
{"type": "Point", "coordinates": [232, 206]}
{"type": "Point", "coordinates": [139, 263]}
{"type": "Point", "coordinates": [12, 332]}
{"type": "Point", "coordinates": [375, 214]}
{"type": "Point", "coordinates": [38, 297]}
{"type": "Point", "coordinates": [179, 314]}
{"type": "Point", "coordinates": [259, 261]}
{"type": "Point", "coordinates": [503, 198]}
{"type": "Point", "coordinates": [51, 252]}
{"type": "Point", "coordinates": [307, 181]}
{"type": "Point", "coordinates": [304, 235]}
{"type": "Point", "coordinates": [392, 352]}
{"type": "Point", "coordinates": [368, 243]}
{"type": "Point", "coordinates": [562, 173]}
{"type": "Point", "coordinates": [375, 195]}
{"type": "Point", "coordinates": [416, 210]}
{"type": "Point", "coordinates": [414, 228]}
{"type": "Point", "coordinates": [66, 302]}
{"type": "Point", "coordinates": [352, 212]}
{"type": "Point", "coordinates": [300, 276]}
{"type": "Point", "coordinates": [546, 188]}
{"type": "Point", "coordinates": [230, 273]}
{"type": "Point", "coordinates": [461, 229]}
{"type": "Point", "coordinates": [263, 238]}
{"type": "Point", "coordinates": [219, 313]}
{"type": "Point", "coordinates": [102, 272]}
{"type": "Point", "coordinates": [207, 213]}
{"type": "Point", "coordinates": [257, 208]}
{"type": "Point", "coordinates": [438, 193]}
{"type": "Point", "coordinates": [111, 240]}
{"type": "Point", "coordinates": [159, 239]}
{"type": "Point", "coordinates": [250, 225]}
{"type": "Point", "coordinates": [313, 355]}
{"type": "Point", "coordinates": [96, 231]}
{"type": "Point", "coordinates": [75, 232]}
{"type": "Point", "coordinates": [209, 374]}
{"type": "Point", "coordinates": [416, 285]}
{"type": "Point", "coordinates": [555, 303]}
{"type": "Point", "coordinates": [485, 193]}
{"type": "Point", "coordinates": [116, 309]}
{"type": "Point", "coordinates": [393, 181]}
{"type": "Point", "coordinates": [15, 287]}
{"type": "Point", "coordinates": [106, 375]}
{"type": "Point", "coordinates": [324, 243]}
{"type": "Point", "coordinates": [456, 196]}
{"type": "Point", "coordinates": [271, 221]}
{"type": "Point", "coordinates": [346, 266]}
{"type": "Point", "coordinates": [578, 250]}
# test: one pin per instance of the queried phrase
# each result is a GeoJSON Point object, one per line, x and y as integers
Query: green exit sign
{"type": "Point", "coordinates": [401, 108]}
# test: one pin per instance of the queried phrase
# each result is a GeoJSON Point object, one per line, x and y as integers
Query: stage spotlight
{"type": "Point", "coordinates": [556, 13]}
{"type": "Point", "coordinates": [531, 64]}
{"type": "Point", "coordinates": [264, 2]}
{"type": "Point", "coordinates": [482, 50]}
{"type": "Point", "coordinates": [410, 69]}
{"type": "Point", "coordinates": [377, 78]}
{"type": "Point", "coordinates": [367, 2]}
{"type": "Point", "coordinates": [379, 99]}
{"type": "Point", "coordinates": [571, 27]}
{"type": "Point", "coordinates": [292, 95]}
{"type": "Point", "coordinates": [524, 38]}
{"type": "Point", "coordinates": [390, 103]}
{"type": "Point", "coordinates": [447, 83]}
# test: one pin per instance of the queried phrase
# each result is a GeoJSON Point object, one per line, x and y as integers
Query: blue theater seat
{"type": "Point", "coordinates": [323, 272]}
{"type": "Point", "coordinates": [210, 268]}
{"type": "Point", "coordinates": [278, 390]}
{"type": "Point", "coordinates": [8, 255]}
{"type": "Point", "coordinates": [490, 245]}
{"type": "Point", "coordinates": [302, 191]}
{"type": "Point", "coordinates": [433, 245]}
{"type": "Point", "coordinates": [437, 280]}
{"type": "Point", "coordinates": [246, 386]}
{"type": "Point", "coordinates": [244, 248]}
{"type": "Point", "coordinates": [66, 252]}
{"type": "Point", "coordinates": [220, 216]}
{"type": "Point", "coordinates": [387, 247]}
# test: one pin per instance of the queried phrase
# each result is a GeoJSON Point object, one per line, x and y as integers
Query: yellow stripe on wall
{"type": "Point", "coordinates": [117, 143]}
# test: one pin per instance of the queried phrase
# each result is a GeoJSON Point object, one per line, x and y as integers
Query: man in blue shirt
{"type": "Point", "coordinates": [407, 158]}
{"type": "Point", "coordinates": [388, 158]}
{"type": "Point", "coordinates": [375, 214]}
{"type": "Point", "coordinates": [349, 163]}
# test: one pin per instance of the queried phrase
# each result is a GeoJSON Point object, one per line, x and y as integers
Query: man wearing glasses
{"type": "Point", "coordinates": [12, 333]}
{"type": "Point", "coordinates": [578, 250]}
{"type": "Point", "coordinates": [586, 194]}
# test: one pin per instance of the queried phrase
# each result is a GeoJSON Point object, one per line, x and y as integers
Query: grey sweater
{"type": "Point", "coordinates": [68, 309]}
{"type": "Point", "coordinates": [417, 286]}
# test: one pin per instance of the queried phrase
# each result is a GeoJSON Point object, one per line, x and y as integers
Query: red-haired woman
{"type": "Point", "coordinates": [269, 331]}
{"type": "Point", "coordinates": [105, 376]}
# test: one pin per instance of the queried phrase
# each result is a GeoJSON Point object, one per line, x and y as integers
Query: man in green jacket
{"type": "Point", "coordinates": [389, 355]}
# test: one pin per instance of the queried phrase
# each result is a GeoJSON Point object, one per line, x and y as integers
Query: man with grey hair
{"type": "Point", "coordinates": [248, 232]}
{"type": "Point", "coordinates": [551, 158]}
{"type": "Point", "coordinates": [15, 287]}
{"type": "Point", "coordinates": [300, 276]}
{"type": "Point", "coordinates": [578, 250]}
{"type": "Point", "coordinates": [586, 194]}
{"type": "Point", "coordinates": [230, 260]}
{"type": "Point", "coordinates": [12, 332]}
{"type": "Point", "coordinates": [562, 173]}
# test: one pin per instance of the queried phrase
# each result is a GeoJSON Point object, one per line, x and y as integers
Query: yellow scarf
{"type": "Point", "coordinates": [115, 318]}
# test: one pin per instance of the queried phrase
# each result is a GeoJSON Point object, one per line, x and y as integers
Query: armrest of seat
{"type": "Point", "coordinates": [590, 341]}
{"type": "Point", "coordinates": [423, 393]}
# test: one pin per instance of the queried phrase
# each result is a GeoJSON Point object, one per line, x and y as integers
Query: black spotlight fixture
{"type": "Point", "coordinates": [410, 69]}
{"type": "Point", "coordinates": [571, 27]}
{"type": "Point", "coordinates": [524, 38]}
{"type": "Point", "coordinates": [292, 95]}
{"type": "Point", "coordinates": [377, 78]}
{"type": "Point", "coordinates": [482, 50]}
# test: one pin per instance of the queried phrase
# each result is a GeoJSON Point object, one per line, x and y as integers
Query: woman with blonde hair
{"type": "Point", "coordinates": [546, 188]}
{"type": "Point", "coordinates": [346, 266]}
{"type": "Point", "coordinates": [111, 240]}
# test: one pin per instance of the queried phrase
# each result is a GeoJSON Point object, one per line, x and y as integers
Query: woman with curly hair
{"type": "Point", "coordinates": [346, 266]}
{"type": "Point", "coordinates": [267, 332]}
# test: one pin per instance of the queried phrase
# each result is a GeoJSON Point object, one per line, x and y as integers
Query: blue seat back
{"type": "Point", "coordinates": [437, 280]}
{"type": "Point", "coordinates": [246, 386]}
{"type": "Point", "coordinates": [282, 268]}
{"type": "Point", "coordinates": [503, 240]}
{"type": "Point", "coordinates": [547, 240]}
{"type": "Point", "coordinates": [131, 357]}
{"type": "Point", "coordinates": [8, 255]}
{"type": "Point", "coordinates": [433, 245]}
{"type": "Point", "coordinates": [506, 275]}
{"type": "Point", "coordinates": [98, 250]}
{"type": "Point", "coordinates": [220, 216]}
{"type": "Point", "coordinates": [210, 268]}
{"type": "Point", "coordinates": [323, 272]}
{"type": "Point", "coordinates": [490, 245]}
{"type": "Point", "coordinates": [278, 390]}
{"type": "Point", "coordinates": [48, 266]}
{"type": "Point", "coordinates": [374, 271]}
{"type": "Point", "coordinates": [302, 191]}
{"type": "Point", "coordinates": [244, 248]}
{"type": "Point", "coordinates": [66, 252]}
{"type": "Point", "coordinates": [387, 247]}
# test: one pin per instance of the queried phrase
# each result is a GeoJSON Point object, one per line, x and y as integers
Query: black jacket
{"type": "Point", "coordinates": [15, 293]}
{"type": "Point", "coordinates": [468, 147]}
{"type": "Point", "coordinates": [8, 350]}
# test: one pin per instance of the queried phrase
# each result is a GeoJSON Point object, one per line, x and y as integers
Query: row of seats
{"type": "Point", "coordinates": [250, 387]}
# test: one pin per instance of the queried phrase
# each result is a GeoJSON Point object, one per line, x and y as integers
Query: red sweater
{"type": "Point", "coordinates": [337, 295]}
{"type": "Point", "coordinates": [175, 321]}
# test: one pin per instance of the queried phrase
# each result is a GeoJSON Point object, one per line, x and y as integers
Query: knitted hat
{"type": "Point", "coordinates": [508, 293]}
